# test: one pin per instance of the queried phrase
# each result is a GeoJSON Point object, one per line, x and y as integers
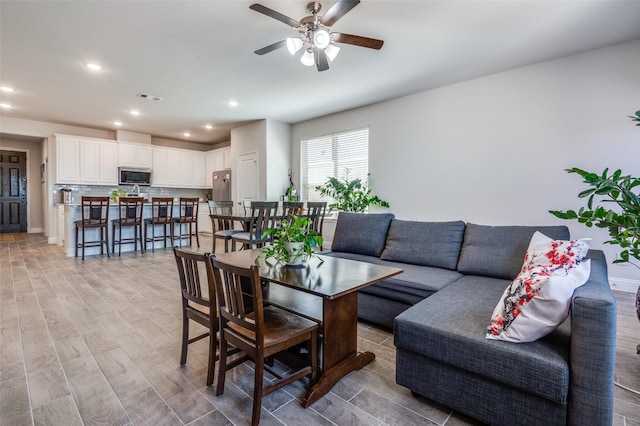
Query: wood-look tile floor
{"type": "Point", "coordinates": [97, 342]}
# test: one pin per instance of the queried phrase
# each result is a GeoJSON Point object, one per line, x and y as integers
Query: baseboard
{"type": "Point", "coordinates": [52, 240]}
{"type": "Point", "coordinates": [34, 231]}
{"type": "Point", "coordinates": [624, 284]}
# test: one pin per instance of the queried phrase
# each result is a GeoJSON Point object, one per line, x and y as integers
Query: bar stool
{"type": "Point", "coordinates": [95, 215]}
{"type": "Point", "coordinates": [161, 214]}
{"type": "Point", "coordinates": [188, 216]}
{"type": "Point", "coordinates": [130, 216]}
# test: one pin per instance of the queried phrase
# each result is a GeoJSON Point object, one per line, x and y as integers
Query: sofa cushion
{"type": "Point", "coordinates": [497, 251]}
{"type": "Point", "coordinates": [450, 327]}
{"type": "Point", "coordinates": [538, 300]}
{"type": "Point", "coordinates": [434, 244]}
{"type": "Point", "coordinates": [415, 280]}
{"type": "Point", "coordinates": [361, 233]}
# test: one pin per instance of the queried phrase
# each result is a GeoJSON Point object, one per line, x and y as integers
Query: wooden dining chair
{"type": "Point", "coordinates": [263, 215]}
{"type": "Point", "coordinates": [291, 208]}
{"type": "Point", "coordinates": [316, 211]}
{"type": "Point", "coordinates": [161, 215]}
{"type": "Point", "coordinates": [258, 331]}
{"type": "Point", "coordinates": [95, 215]}
{"type": "Point", "coordinates": [223, 224]}
{"type": "Point", "coordinates": [188, 216]}
{"type": "Point", "coordinates": [197, 305]}
{"type": "Point", "coordinates": [129, 216]}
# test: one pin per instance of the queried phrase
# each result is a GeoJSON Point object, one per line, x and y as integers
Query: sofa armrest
{"type": "Point", "coordinates": [593, 348]}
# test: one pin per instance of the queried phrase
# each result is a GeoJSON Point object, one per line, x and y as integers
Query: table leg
{"type": "Point", "coordinates": [340, 354]}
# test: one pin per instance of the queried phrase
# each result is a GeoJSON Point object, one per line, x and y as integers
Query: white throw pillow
{"type": "Point", "coordinates": [538, 300]}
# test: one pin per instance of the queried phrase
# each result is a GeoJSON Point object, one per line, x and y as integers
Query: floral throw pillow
{"type": "Point", "coordinates": [538, 300]}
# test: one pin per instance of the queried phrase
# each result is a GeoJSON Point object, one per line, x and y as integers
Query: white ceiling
{"type": "Point", "coordinates": [197, 55]}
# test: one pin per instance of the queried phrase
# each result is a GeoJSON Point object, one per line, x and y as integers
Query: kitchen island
{"type": "Point", "coordinates": [69, 213]}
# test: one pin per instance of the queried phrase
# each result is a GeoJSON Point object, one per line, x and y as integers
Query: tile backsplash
{"type": "Point", "coordinates": [77, 191]}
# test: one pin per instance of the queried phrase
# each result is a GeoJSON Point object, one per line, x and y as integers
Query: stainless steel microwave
{"type": "Point", "coordinates": [131, 176]}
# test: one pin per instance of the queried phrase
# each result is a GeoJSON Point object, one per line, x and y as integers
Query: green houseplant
{"type": "Point", "coordinates": [293, 241]}
{"type": "Point", "coordinates": [116, 193]}
{"type": "Point", "coordinates": [349, 195]}
{"type": "Point", "coordinates": [623, 222]}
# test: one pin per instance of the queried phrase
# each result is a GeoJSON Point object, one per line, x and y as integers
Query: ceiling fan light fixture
{"type": "Point", "coordinates": [321, 39]}
{"type": "Point", "coordinates": [308, 59]}
{"type": "Point", "coordinates": [294, 44]}
{"type": "Point", "coordinates": [332, 51]}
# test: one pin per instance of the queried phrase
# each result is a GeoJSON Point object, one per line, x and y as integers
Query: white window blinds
{"type": "Point", "coordinates": [331, 156]}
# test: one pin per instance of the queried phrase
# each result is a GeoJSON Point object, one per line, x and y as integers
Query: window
{"type": "Point", "coordinates": [330, 156]}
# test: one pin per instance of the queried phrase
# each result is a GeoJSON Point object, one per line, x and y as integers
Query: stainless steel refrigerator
{"type": "Point", "coordinates": [221, 190]}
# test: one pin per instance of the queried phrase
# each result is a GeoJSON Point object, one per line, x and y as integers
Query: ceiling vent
{"type": "Point", "coordinates": [148, 97]}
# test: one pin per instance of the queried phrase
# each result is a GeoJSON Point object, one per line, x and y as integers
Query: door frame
{"type": "Point", "coordinates": [28, 172]}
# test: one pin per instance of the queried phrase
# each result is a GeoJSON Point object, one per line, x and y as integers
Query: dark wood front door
{"type": "Point", "coordinates": [13, 191]}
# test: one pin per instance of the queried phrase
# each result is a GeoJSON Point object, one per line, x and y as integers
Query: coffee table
{"type": "Point", "coordinates": [326, 291]}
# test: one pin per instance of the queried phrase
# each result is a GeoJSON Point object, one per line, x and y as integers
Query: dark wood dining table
{"type": "Point", "coordinates": [324, 289]}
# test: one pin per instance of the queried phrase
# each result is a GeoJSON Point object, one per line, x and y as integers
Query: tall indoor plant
{"type": "Point", "coordinates": [623, 221]}
{"type": "Point", "coordinates": [349, 195]}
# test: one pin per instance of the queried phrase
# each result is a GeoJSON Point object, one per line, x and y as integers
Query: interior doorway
{"type": "Point", "coordinates": [247, 178]}
{"type": "Point", "coordinates": [13, 191]}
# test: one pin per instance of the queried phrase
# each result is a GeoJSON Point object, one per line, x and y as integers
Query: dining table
{"type": "Point", "coordinates": [323, 289]}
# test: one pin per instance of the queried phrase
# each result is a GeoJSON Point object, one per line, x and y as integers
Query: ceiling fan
{"type": "Point", "coordinates": [314, 33]}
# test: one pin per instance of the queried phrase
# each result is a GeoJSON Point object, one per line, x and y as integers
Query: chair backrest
{"type": "Point", "coordinates": [130, 210]}
{"type": "Point", "coordinates": [221, 208]}
{"type": "Point", "coordinates": [316, 212]}
{"type": "Point", "coordinates": [161, 210]}
{"type": "Point", "coordinates": [95, 210]}
{"type": "Point", "coordinates": [189, 209]}
{"type": "Point", "coordinates": [239, 298]}
{"type": "Point", "coordinates": [292, 208]}
{"type": "Point", "coordinates": [263, 215]}
{"type": "Point", "coordinates": [193, 272]}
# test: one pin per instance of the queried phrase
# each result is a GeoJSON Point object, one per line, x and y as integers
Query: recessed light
{"type": "Point", "coordinates": [117, 123]}
{"type": "Point", "coordinates": [5, 106]}
{"type": "Point", "coordinates": [134, 112]}
{"type": "Point", "coordinates": [186, 134]}
{"type": "Point", "coordinates": [233, 103]}
{"type": "Point", "coordinates": [93, 67]}
{"type": "Point", "coordinates": [6, 89]}
{"type": "Point", "coordinates": [208, 126]}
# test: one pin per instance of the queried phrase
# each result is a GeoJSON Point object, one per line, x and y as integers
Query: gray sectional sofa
{"type": "Point", "coordinates": [440, 307]}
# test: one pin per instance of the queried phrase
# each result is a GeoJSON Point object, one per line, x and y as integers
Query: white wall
{"type": "Point", "coordinates": [278, 158]}
{"type": "Point", "coordinates": [493, 150]}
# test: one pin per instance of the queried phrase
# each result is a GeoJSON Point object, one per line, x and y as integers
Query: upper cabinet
{"type": "Point", "coordinates": [215, 160]}
{"type": "Point", "coordinates": [86, 161]}
{"type": "Point", "coordinates": [178, 168]}
{"type": "Point", "coordinates": [135, 155]}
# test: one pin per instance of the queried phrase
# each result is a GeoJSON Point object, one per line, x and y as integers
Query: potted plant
{"type": "Point", "coordinates": [117, 193]}
{"type": "Point", "coordinates": [293, 241]}
{"type": "Point", "coordinates": [349, 195]}
{"type": "Point", "coordinates": [623, 222]}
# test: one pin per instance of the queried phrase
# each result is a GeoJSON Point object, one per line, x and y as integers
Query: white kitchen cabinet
{"type": "Point", "coordinates": [184, 164]}
{"type": "Point", "coordinates": [160, 167]}
{"type": "Point", "coordinates": [86, 161]}
{"type": "Point", "coordinates": [108, 163]}
{"type": "Point", "coordinates": [89, 161]}
{"type": "Point", "coordinates": [209, 168]}
{"type": "Point", "coordinates": [67, 159]}
{"type": "Point", "coordinates": [226, 158]}
{"type": "Point", "coordinates": [197, 169]}
{"type": "Point", "coordinates": [135, 155]}
{"type": "Point", "coordinates": [204, 221]}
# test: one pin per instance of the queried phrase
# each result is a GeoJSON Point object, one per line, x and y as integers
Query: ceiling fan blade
{"type": "Point", "coordinates": [371, 43]}
{"type": "Point", "coordinates": [337, 11]}
{"type": "Point", "coordinates": [275, 15]}
{"type": "Point", "coordinates": [271, 47]}
{"type": "Point", "coordinates": [322, 63]}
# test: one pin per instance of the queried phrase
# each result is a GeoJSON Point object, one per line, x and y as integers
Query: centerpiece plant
{"type": "Point", "coordinates": [349, 195]}
{"type": "Point", "coordinates": [293, 241]}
